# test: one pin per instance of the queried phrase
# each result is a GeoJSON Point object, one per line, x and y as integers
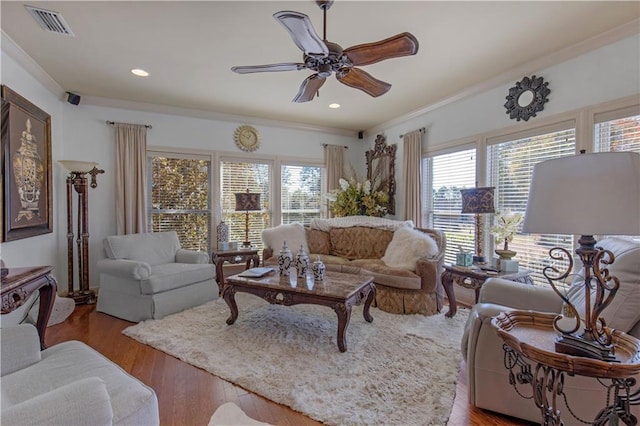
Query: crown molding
{"type": "Point", "coordinates": [12, 49]}
{"type": "Point", "coordinates": [608, 37]}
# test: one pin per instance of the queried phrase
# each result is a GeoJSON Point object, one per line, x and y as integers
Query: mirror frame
{"type": "Point", "coordinates": [540, 90]}
{"type": "Point", "coordinates": [382, 150]}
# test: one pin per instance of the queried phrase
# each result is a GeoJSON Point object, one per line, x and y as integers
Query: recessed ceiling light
{"type": "Point", "coordinates": [140, 72]}
{"type": "Point", "coordinates": [334, 106]}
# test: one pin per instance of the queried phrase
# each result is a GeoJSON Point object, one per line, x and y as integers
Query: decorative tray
{"type": "Point", "coordinates": [532, 335]}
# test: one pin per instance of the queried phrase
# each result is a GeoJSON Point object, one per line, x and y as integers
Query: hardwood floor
{"type": "Point", "coordinates": [188, 395]}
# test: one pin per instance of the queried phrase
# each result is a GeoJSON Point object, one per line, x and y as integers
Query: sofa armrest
{"type": "Point", "coordinates": [191, 256]}
{"type": "Point", "coordinates": [20, 348]}
{"type": "Point", "coordinates": [267, 253]}
{"type": "Point", "coordinates": [124, 268]}
{"type": "Point", "coordinates": [84, 402]}
{"type": "Point", "coordinates": [519, 296]}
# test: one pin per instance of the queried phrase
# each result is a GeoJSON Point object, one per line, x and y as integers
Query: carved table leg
{"type": "Point", "coordinates": [367, 304]}
{"type": "Point", "coordinates": [344, 315]}
{"type": "Point", "coordinates": [47, 298]}
{"type": "Point", "coordinates": [256, 261]}
{"type": "Point", "coordinates": [228, 293]}
{"type": "Point", "coordinates": [447, 283]}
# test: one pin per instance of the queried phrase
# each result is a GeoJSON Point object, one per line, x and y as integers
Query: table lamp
{"type": "Point", "coordinates": [586, 195]}
{"type": "Point", "coordinates": [478, 201]}
{"type": "Point", "coordinates": [246, 202]}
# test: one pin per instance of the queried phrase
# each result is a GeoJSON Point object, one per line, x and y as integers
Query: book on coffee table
{"type": "Point", "coordinates": [256, 272]}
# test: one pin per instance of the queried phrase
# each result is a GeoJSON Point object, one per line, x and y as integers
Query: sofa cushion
{"type": "Point", "coordinates": [318, 241]}
{"type": "Point", "coordinates": [293, 233]}
{"type": "Point", "coordinates": [407, 246]}
{"type": "Point", "coordinates": [388, 276]}
{"type": "Point", "coordinates": [359, 242]}
{"type": "Point", "coordinates": [175, 275]}
{"type": "Point", "coordinates": [155, 248]}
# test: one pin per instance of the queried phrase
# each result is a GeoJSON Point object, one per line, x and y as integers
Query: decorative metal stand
{"type": "Point", "coordinates": [78, 180]}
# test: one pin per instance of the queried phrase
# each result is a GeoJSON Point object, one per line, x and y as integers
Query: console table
{"type": "Point", "coordinates": [531, 334]}
{"type": "Point", "coordinates": [18, 285]}
{"type": "Point", "coordinates": [247, 256]}
{"type": "Point", "coordinates": [473, 278]}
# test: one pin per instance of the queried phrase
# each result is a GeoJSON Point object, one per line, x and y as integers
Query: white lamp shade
{"type": "Point", "coordinates": [586, 194]}
{"type": "Point", "coordinates": [78, 166]}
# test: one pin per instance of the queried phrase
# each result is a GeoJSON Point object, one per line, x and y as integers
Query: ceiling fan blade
{"type": "Point", "coordinates": [309, 88]}
{"type": "Point", "coordinates": [302, 32]}
{"type": "Point", "coordinates": [287, 66]}
{"type": "Point", "coordinates": [403, 44]}
{"type": "Point", "coordinates": [362, 80]}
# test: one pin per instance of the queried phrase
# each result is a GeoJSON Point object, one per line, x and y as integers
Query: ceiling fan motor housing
{"type": "Point", "coordinates": [336, 61]}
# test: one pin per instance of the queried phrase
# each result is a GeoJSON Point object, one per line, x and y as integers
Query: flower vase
{"type": "Point", "coordinates": [505, 253]}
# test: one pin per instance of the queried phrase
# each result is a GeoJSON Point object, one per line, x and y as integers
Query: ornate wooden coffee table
{"type": "Point", "coordinates": [338, 291]}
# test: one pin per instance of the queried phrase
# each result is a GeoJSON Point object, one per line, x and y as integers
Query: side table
{"type": "Point", "coordinates": [531, 334]}
{"type": "Point", "coordinates": [18, 285]}
{"type": "Point", "coordinates": [474, 278]}
{"type": "Point", "coordinates": [234, 257]}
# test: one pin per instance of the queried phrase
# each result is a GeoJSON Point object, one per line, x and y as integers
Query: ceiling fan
{"type": "Point", "coordinates": [326, 58]}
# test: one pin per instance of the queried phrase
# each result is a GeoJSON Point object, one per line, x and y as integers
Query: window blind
{"type": "Point", "coordinates": [510, 165]}
{"type": "Point", "coordinates": [180, 200]}
{"type": "Point", "coordinates": [301, 193]}
{"type": "Point", "coordinates": [444, 176]}
{"type": "Point", "coordinates": [238, 176]}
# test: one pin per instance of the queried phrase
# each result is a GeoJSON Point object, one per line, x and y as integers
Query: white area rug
{"type": "Point", "coordinates": [398, 370]}
{"type": "Point", "coordinates": [229, 414]}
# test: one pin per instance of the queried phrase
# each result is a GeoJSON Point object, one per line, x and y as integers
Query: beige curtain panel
{"type": "Point", "coordinates": [412, 177]}
{"type": "Point", "coordinates": [334, 156]}
{"type": "Point", "coordinates": [131, 178]}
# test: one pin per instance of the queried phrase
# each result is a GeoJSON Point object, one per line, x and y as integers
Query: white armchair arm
{"type": "Point", "coordinates": [191, 256]}
{"type": "Point", "coordinates": [125, 268]}
{"type": "Point", "coordinates": [84, 402]}
{"type": "Point", "coordinates": [519, 296]}
{"type": "Point", "coordinates": [20, 348]}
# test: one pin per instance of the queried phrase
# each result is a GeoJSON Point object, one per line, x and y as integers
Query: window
{"type": "Point", "coordinates": [510, 165]}
{"type": "Point", "coordinates": [617, 131]}
{"type": "Point", "coordinates": [444, 176]}
{"type": "Point", "coordinates": [301, 193]}
{"type": "Point", "coordinates": [238, 176]}
{"type": "Point", "coordinates": [180, 199]}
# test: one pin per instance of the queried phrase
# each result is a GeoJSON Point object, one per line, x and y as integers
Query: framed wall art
{"type": "Point", "coordinates": [26, 168]}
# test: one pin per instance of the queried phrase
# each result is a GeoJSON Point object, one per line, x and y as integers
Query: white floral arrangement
{"type": "Point", "coordinates": [506, 226]}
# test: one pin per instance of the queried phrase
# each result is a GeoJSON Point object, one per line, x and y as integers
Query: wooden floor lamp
{"type": "Point", "coordinates": [77, 179]}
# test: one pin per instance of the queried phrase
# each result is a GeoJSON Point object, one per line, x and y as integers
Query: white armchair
{"type": "Point", "coordinates": [67, 384]}
{"type": "Point", "coordinates": [487, 377]}
{"type": "Point", "coordinates": [150, 276]}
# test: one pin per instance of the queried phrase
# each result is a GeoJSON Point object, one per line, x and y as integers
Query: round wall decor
{"type": "Point", "coordinates": [247, 138]}
{"type": "Point", "coordinates": [527, 97]}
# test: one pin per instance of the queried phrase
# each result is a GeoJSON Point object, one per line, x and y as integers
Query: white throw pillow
{"type": "Point", "coordinates": [407, 246]}
{"type": "Point", "coordinates": [293, 233]}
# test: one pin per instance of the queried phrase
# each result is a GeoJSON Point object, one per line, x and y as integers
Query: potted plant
{"type": "Point", "coordinates": [504, 230]}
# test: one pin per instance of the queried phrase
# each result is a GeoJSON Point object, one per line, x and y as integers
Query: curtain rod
{"type": "Point", "coordinates": [113, 123]}
{"type": "Point", "coordinates": [421, 130]}
{"type": "Point", "coordinates": [324, 145]}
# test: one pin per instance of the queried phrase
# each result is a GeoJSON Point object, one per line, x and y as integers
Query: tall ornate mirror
{"type": "Point", "coordinates": [381, 169]}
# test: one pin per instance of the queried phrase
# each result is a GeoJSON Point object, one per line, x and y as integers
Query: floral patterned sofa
{"type": "Point", "coordinates": [407, 276]}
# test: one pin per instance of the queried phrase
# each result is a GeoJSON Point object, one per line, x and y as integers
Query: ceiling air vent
{"type": "Point", "coordinates": [50, 21]}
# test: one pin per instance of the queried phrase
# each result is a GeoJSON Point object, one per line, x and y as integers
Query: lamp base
{"type": "Point", "coordinates": [246, 244]}
{"type": "Point", "coordinates": [577, 346]}
{"type": "Point", "coordinates": [479, 259]}
{"type": "Point", "coordinates": [83, 297]}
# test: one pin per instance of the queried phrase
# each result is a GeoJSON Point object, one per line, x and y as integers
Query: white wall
{"type": "Point", "coordinates": [604, 74]}
{"type": "Point", "coordinates": [41, 249]}
{"type": "Point", "coordinates": [81, 133]}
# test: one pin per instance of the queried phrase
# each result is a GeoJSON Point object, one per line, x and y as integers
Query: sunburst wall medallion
{"type": "Point", "coordinates": [527, 98]}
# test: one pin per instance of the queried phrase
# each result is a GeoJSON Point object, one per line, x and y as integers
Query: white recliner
{"type": "Point", "coordinates": [487, 376]}
{"type": "Point", "coordinates": [67, 384]}
{"type": "Point", "coordinates": [149, 275]}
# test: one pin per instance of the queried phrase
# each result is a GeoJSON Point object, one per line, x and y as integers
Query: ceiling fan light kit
{"type": "Point", "coordinates": [327, 58]}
